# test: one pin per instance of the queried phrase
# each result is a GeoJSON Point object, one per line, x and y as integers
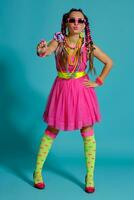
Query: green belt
{"type": "Point", "coordinates": [74, 75]}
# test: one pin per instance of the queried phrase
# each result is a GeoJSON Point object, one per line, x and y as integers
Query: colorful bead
{"type": "Point", "coordinates": [58, 36]}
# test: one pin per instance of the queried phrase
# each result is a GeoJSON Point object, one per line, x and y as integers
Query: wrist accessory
{"type": "Point", "coordinates": [45, 45]}
{"type": "Point", "coordinates": [99, 81]}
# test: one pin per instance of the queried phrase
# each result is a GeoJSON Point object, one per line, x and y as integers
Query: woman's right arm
{"type": "Point", "coordinates": [44, 50]}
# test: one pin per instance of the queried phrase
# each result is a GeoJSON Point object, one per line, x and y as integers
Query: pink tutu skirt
{"type": "Point", "coordinates": [71, 105]}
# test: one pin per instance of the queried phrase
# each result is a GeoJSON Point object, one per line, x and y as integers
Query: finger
{"type": "Point", "coordinates": [87, 84]}
{"type": "Point", "coordinates": [43, 42]}
{"type": "Point", "coordinates": [43, 46]}
{"type": "Point", "coordinates": [39, 45]}
{"type": "Point", "coordinates": [85, 81]}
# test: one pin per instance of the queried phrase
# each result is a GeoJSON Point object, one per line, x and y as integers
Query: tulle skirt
{"type": "Point", "coordinates": [71, 105]}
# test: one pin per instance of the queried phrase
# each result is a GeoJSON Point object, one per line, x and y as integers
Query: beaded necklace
{"type": "Point", "coordinates": [72, 58]}
{"type": "Point", "coordinates": [76, 63]}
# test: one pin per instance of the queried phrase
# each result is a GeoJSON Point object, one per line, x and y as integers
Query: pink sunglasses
{"type": "Point", "coordinates": [74, 20]}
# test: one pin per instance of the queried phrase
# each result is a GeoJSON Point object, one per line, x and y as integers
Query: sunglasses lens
{"type": "Point", "coordinates": [71, 20]}
{"type": "Point", "coordinates": [81, 21]}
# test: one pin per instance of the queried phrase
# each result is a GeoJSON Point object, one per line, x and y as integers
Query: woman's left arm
{"type": "Point", "coordinates": [103, 57]}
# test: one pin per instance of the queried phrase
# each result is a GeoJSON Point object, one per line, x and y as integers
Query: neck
{"type": "Point", "coordinates": [73, 38]}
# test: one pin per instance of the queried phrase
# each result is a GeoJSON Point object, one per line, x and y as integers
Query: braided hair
{"type": "Point", "coordinates": [88, 39]}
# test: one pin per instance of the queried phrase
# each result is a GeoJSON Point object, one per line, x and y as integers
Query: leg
{"type": "Point", "coordinates": [44, 148]}
{"type": "Point", "coordinates": [90, 153]}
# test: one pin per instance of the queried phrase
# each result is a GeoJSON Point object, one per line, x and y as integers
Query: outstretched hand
{"type": "Point", "coordinates": [42, 48]}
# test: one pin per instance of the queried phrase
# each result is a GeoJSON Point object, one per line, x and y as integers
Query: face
{"type": "Point", "coordinates": [75, 22]}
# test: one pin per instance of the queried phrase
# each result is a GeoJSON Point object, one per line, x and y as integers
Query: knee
{"type": "Point", "coordinates": [87, 131]}
{"type": "Point", "coordinates": [51, 131]}
{"type": "Point", "coordinates": [86, 128]}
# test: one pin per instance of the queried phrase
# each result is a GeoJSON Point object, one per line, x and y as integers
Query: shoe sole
{"type": "Point", "coordinates": [39, 185]}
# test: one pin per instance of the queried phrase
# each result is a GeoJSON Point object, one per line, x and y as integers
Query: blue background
{"type": "Point", "coordinates": [25, 83]}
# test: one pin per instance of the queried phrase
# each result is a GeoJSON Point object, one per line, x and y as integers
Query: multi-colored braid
{"type": "Point", "coordinates": [88, 39]}
{"type": "Point", "coordinates": [63, 25]}
{"type": "Point", "coordinates": [89, 45]}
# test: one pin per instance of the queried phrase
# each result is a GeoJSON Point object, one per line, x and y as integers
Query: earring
{"type": "Point", "coordinates": [82, 34]}
{"type": "Point", "coordinates": [67, 31]}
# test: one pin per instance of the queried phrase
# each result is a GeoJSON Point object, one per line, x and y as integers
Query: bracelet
{"type": "Point", "coordinates": [99, 81]}
{"type": "Point", "coordinates": [40, 54]}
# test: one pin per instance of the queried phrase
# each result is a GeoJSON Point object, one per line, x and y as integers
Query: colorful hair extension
{"type": "Point", "coordinates": [88, 39]}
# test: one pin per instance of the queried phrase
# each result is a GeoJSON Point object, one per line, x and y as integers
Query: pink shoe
{"type": "Point", "coordinates": [39, 185]}
{"type": "Point", "coordinates": [89, 189]}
